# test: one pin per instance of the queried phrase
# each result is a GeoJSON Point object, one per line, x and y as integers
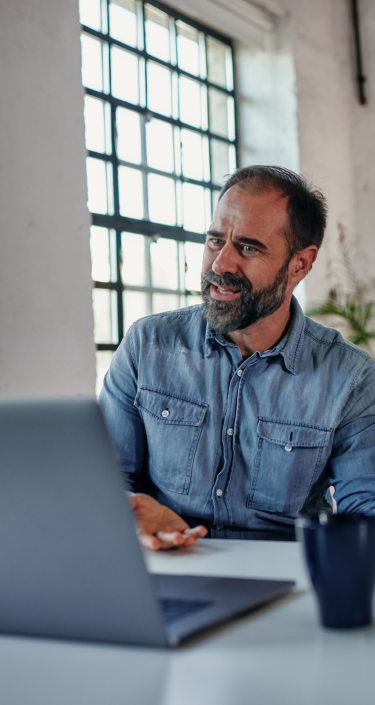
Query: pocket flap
{"type": "Point", "coordinates": [170, 409]}
{"type": "Point", "coordinates": [293, 435]}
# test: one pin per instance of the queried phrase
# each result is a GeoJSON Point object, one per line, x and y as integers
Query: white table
{"type": "Point", "coordinates": [277, 656]}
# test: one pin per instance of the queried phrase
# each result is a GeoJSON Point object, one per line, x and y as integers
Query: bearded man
{"type": "Point", "coordinates": [233, 417]}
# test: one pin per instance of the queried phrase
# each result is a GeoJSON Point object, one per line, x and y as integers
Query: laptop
{"type": "Point", "coordinates": [70, 562]}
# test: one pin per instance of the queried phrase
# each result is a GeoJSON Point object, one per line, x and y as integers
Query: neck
{"type": "Point", "coordinates": [263, 334]}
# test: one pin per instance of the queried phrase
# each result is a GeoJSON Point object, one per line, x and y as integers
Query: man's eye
{"type": "Point", "coordinates": [215, 242]}
{"type": "Point", "coordinates": [249, 248]}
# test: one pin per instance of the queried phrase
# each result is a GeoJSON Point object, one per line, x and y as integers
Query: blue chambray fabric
{"type": "Point", "coordinates": [243, 446]}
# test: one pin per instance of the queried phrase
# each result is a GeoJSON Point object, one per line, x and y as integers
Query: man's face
{"type": "Point", "coordinates": [245, 261]}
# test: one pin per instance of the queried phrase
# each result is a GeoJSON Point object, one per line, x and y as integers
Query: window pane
{"type": "Point", "coordinates": [90, 13]}
{"type": "Point", "coordinates": [103, 254]}
{"type": "Point", "coordinates": [177, 151]}
{"type": "Point", "coordinates": [193, 208]}
{"type": "Point", "coordinates": [206, 159]}
{"type": "Point", "coordinates": [92, 63]}
{"type": "Point", "coordinates": [124, 73]}
{"type": "Point", "coordinates": [219, 161]}
{"type": "Point", "coordinates": [165, 302]}
{"type": "Point", "coordinates": [179, 203]}
{"type": "Point", "coordinates": [161, 199]}
{"type": "Point", "coordinates": [190, 101]}
{"type": "Point", "coordinates": [204, 107]}
{"type": "Point", "coordinates": [187, 48]}
{"type": "Point", "coordinates": [232, 158]}
{"type": "Point", "coordinates": [164, 264]}
{"type": "Point", "coordinates": [99, 186]}
{"type": "Point", "coordinates": [123, 21]}
{"type": "Point", "coordinates": [130, 188]}
{"type": "Point", "coordinates": [216, 62]}
{"type": "Point", "coordinates": [97, 125]}
{"type": "Point", "coordinates": [133, 249]}
{"type": "Point", "coordinates": [159, 97]}
{"type": "Point", "coordinates": [208, 207]}
{"type": "Point", "coordinates": [159, 145]}
{"type": "Point", "coordinates": [229, 68]}
{"type": "Point", "coordinates": [218, 112]}
{"type": "Point", "coordinates": [105, 316]}
{"type": "Point", "coordinates": [128, 135]}
{"type": "Point", "coordinates": [214, 200]}
{"type": "Point", "coordinates": [193, 300]}
{"type": "Point", "coordinates": [192, 155]}
{"type": "Point", "coordinates": [157, 33]}
{"type": "Point", "coordinates": [231, 121]}
{"type": "Point", "coordinates": [110, 196]}
{"type": "Point", "coordinates": [193, 266]}
{"type": "Point", "coordinates": [103, 361]}
{"type": "Point", "coordinates": [136, 305]}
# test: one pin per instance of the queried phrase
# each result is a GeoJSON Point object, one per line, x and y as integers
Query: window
{"type": "Point", "coordinates": [160, 133]}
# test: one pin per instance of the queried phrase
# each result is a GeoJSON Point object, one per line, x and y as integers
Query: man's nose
{"type": "Point", "coordinates": [226, 261]}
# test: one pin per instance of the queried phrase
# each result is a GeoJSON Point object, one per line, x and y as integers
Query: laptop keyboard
{"type": "Point", "coordinates": [176, 609]}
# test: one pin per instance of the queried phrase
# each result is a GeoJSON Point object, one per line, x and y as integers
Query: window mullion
{"type": "Point", "coordinates": [148, 272]}
{"type": "Point", "coordinates": [120, 303]}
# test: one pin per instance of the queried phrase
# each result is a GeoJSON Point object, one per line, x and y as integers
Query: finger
{"type": "Point", "coordinates": [138, 500]}
{"type": "Point", "coordinates": [149, 541]}
{"type": "Point", "coordinates": [192, 537]}
{"type": "Point", "coordinates": [197, 532]}
{"type": "Point", "coordinates": [133, 501]}
{"type": "Point", "coordinates": [175, 538]}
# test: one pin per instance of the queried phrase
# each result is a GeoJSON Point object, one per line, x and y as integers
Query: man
{"type": "Point", "coordinates": [239, 414]}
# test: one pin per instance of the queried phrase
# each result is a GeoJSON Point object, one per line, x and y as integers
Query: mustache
{"type": "Point", "coordinates": [228, 279]}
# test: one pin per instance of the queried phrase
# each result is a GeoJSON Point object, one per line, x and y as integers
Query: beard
{"type": "Point", "coordinates": [227, 316]}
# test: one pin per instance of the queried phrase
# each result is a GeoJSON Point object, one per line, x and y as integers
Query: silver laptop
{"type": "Point", "coordinates": [70, 562]}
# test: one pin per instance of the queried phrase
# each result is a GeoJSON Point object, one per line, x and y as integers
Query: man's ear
{"type": "Point", "coordinates": [301, 263]}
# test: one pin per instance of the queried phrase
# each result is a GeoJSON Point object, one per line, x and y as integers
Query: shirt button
{"type": "Point", "coordinates": [219, 527]}
{"type": "Point", "coordinates": [230, 431]}
{"type": "Point", "coordinates": [219, 492]}
{"type": "Point", "coordinates": [240, 373]}
{"type": "Point", "coordinates": [165, 413]}
{"type": "Point", "coordinates": [288, 448]}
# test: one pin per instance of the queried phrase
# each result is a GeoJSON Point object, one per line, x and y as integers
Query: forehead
{"type": "Point", "coordinates": [240, 211]}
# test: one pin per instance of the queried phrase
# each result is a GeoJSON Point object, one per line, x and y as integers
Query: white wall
{"type": "Point", "coordinates": [325, 100]}
{"type": "Point", "coordinates": [336, 135]}
{"type": "Point", "coordinates": [46, 326]}
{"type": "Point", "coordinates": [363, 139]}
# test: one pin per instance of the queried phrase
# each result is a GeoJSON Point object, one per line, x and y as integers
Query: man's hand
{"type": "Point", "coordinates": [159, 527]}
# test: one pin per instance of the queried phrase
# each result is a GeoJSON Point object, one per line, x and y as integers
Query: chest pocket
{"type": "Point", "coordinates": [173, 425]}
{"type": "Point", "coordinates": [288, 458]}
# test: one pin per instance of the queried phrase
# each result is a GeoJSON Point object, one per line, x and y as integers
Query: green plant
{"type": "Point", "coordinates": [349, 299]}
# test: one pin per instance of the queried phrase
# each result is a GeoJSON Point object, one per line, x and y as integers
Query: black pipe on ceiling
{"type": "Point", "coordinates": [358, 53]}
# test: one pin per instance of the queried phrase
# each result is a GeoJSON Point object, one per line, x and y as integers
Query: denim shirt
{"type": "Point", "coordinates": [243, 446]}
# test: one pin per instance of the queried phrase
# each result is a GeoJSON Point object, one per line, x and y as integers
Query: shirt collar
{"type": "Point", "coordinates": [289, 346]}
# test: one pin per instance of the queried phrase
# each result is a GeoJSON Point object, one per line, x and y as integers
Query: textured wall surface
{"type": "Point", "coordinates": [321, 49]}
{"type": "Point", "coordinates": [298, 88]}
{"type": "Point", "coordinates": [46, 326]}
{"type": "Point", "coordinates": [336, 133]}
{"type": "Point", "coordinates": [363, 140]}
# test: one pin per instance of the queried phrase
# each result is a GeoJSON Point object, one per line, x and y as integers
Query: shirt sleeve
{"type": "Point", "coordinates": [122, 417]}
{"type": "Point", "coordinates": [353, 452]}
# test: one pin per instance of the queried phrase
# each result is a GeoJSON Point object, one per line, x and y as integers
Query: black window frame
{"type": "Point", "coordinates": [117, 222]}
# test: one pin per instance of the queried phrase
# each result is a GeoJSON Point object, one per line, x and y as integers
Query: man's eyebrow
{"type": "Point", "coordinates": [244, 240]}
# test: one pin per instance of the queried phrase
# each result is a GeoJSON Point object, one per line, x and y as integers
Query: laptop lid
{"type": "Point", "coordinates": [70, 561]}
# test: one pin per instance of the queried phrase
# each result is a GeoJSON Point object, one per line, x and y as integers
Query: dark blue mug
{"type": "Point", "coordinates": [340, 555]}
